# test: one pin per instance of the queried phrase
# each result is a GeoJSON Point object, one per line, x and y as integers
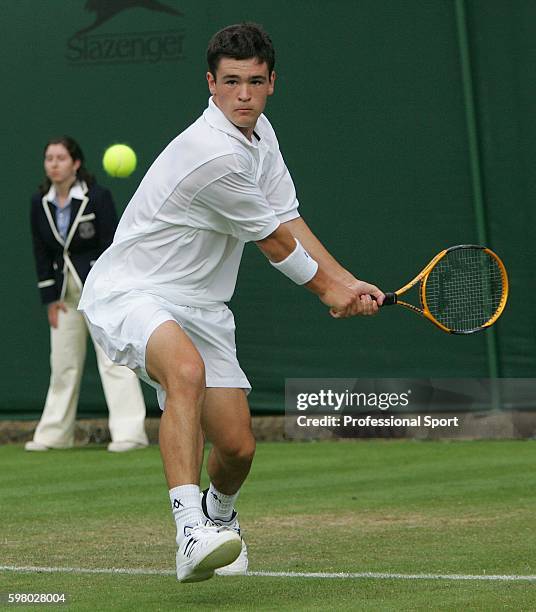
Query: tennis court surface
{"type": "Point", "coordinates": [351, 525]}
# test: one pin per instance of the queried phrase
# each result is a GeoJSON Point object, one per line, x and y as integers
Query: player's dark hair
{"type": "Point", "coordinates": [240, 41]}
{"type": "Point", "coordinates": [76, 153]}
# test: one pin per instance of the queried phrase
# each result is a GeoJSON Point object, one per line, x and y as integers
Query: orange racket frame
{"type": "Point", "coordinates": [422, 277]}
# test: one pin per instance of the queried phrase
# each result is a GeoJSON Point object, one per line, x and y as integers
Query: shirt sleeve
{"type": "Point", "coordinates": [234, 204]}
{"type": "Point", "coordinates": [280, 190]}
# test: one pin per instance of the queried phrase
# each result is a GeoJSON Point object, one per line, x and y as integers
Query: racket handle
{"type": "Point", "coordinates": [390, 299]}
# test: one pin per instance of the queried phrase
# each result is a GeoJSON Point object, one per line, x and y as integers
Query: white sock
{"type": "Point", "coordinates": [220, 506]}
{"type": "Point", "coordinates": [186, 507]}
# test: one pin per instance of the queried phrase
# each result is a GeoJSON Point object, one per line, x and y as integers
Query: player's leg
{"type": "Point", "coordinates": [227, 424]}
{"type": "Point", "coordinates": [172, 360]}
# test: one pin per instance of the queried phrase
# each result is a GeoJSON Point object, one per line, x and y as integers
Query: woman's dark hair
{"type": "Point", "coordinates": [76, 153]}
{"type": "Point", "coordinates": [240, 41]}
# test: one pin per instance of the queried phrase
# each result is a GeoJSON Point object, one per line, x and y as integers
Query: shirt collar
{"type": "Point", "coordinates": [77, 191]}
{"type": "Point", "coordinates": [215, 117]}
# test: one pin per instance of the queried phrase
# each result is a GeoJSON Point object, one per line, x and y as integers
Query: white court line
{"type": "Point", "coordinates": [387, 576]}
{"type": "Point", "coordinates": [343, 575]}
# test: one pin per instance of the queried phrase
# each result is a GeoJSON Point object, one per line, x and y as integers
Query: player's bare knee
{"type": "Point", "coordinates": [191, 373]}
{"type": "Point", "coordinates": [186, 378]}
{"type": "Point", "coordinates": [239, 451]}
{"type": "Point", "coordinates": [248, 450]}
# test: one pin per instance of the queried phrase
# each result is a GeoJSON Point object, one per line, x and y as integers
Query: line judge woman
{"type": "Point", "coordinates": [73, 221]}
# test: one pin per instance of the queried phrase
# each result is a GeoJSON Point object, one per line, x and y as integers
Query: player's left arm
{"type": "Point", "coordinates": [301, 231]}
{"type": "Point", "coordinates": [281, 194]}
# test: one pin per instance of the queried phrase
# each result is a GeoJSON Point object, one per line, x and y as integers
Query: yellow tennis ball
{"type": "Point", "coordinates": [119, 160]}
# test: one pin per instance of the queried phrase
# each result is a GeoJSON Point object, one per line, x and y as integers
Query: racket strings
{"type": "Point", "coordinates": [464, 290]}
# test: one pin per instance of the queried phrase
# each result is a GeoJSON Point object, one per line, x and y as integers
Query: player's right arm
{"type": "Point", "coordinates": [342, 300]}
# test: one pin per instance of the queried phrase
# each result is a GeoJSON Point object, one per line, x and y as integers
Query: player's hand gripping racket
{"type": "Point", "coordinates": [462, 290]}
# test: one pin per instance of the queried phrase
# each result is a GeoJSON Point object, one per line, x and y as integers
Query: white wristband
{"type": "Point", "coordinates": [299, 266]}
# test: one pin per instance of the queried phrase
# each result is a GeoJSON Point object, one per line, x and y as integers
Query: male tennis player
{"type": "Point", "coordinates": [155, 300]}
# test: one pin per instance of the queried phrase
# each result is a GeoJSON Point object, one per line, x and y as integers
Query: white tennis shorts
{"type": "Point", "coordinates": [123, 323]}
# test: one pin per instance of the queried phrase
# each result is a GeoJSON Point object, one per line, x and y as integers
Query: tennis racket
{"type": "Point", "coordinates": [462, 290]}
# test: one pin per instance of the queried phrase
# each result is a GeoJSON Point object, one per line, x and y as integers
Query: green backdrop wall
{"type": "Point", "coordinates": [370, 109]}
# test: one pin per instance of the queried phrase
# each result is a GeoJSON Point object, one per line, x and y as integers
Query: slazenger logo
{"type": "Point", "coordinates": [124, 47]}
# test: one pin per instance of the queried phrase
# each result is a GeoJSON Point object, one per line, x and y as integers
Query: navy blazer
{"type": "Point", "coordinates": [91, 230]}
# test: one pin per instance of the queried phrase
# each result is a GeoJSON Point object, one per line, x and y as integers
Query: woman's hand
{"type": "Point", "coordinates": [53, 310]}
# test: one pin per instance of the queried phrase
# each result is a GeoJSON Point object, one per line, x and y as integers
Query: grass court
{"type": "Point", "coordinates": [422, 519]}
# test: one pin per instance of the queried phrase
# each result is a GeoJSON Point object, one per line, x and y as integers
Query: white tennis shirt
{"type": "Point", "coordinates": [183, 232]}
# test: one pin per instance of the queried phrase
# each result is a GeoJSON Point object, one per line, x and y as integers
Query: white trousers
{"type": "Point", "coordinates": [68, 343]}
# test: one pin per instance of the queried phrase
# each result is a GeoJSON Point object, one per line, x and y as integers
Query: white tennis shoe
{"type": "Point", "coordinates": [239, 566]}
{"type": "Point", "coordinates": [205, 548]}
